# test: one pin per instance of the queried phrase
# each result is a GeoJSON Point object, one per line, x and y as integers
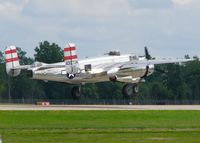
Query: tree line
{"type": "Point", "coordinates": [169, 82]}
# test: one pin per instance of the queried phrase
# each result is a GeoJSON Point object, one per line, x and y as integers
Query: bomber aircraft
{"type": "Point", "coordinates": [128, 69]}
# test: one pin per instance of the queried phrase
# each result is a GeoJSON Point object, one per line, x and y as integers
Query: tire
{"type": "Point", "coordinates": [76, 92]}
{"type": "Point", "coordinates": [130, 90]}
{"type": "Point", "coordinates": [135, 88]}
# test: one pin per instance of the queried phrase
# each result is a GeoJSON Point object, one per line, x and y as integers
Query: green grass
{"type": "Point", "coordinates": [100, 126]}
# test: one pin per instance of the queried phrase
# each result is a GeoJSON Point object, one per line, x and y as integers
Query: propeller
{"type": "Point", "coordinates": [147, 55]}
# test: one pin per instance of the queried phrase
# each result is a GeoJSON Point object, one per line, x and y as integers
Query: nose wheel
{"type": "Point", "coordinates": [130, 90]}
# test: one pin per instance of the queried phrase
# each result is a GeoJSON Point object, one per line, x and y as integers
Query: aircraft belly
{"type": "Point", "coordinates": [124, 75]}
{"type": "Point", "coordinates": [79, 78]}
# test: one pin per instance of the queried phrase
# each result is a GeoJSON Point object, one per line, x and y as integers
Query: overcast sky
{"type": "Point", "coordinates": [170, 28]}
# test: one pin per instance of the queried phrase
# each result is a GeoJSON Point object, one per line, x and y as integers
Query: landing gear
{"type": "Point", "coordinates": [76, 92]}
{"type": "Point", "coordinates": [130, 90]}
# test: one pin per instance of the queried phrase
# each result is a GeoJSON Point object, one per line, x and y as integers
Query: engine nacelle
{"type": "Point", "coordinates": [130, 73]}
{"type": "Point", "coordinates": [113, 78]}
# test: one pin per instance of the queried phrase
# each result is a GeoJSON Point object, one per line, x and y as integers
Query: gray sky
{"type": "Point", "coordinates": [170, 28]}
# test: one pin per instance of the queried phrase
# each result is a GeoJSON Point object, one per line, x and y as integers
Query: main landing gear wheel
{"type": "Point", "coordinates": [76, 92]}
{"type": "Point", "coordinates": [130, 90]}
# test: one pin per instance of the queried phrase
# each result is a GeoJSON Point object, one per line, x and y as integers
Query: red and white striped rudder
{"type": "Point", "coordinates": [71, 60]}
{"type": "Point", "coordinates": [70, 56]}
{"type": "Point", "coordinates": [12, 61]}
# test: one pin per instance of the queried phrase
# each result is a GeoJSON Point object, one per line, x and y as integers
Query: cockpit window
{"type": "Point", "coordinates": [88, 67]}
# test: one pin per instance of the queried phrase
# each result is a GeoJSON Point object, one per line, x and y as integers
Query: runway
{"type": "Point", "coordinates": [98, 107]}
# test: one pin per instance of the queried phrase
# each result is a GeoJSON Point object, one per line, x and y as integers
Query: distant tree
{"type": "Point", "coordinates": [2, 57]}
{"type": "Point", "coordinates": [24, 60]}
{"type": "Point", "coordinates": [109, 90]}
{"type": "Point", "coordinates": [196, 58]}
{"type": "Point", "coordinates": [3, 80]}
{"type": "Point", "coordinates": [51, 53]}
{"type": "Point", "coordinates": [90, 91]}
{"type": "Point", "coordinates": [48, 53]}
{"type": "Point", "coordinates": [192, 79]}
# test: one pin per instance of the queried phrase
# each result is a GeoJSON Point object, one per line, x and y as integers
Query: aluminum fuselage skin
{"type": "Point", "coordinates": [101, 69]}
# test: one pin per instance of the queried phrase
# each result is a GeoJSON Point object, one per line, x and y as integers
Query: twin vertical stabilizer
{"type": "Point", "coordinates": [71, 60]}
{"type": "Point", "coordinates": [12, 61]}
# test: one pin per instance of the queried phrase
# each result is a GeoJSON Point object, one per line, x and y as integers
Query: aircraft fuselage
{"type": "Point", "coordinates": [94, 70]}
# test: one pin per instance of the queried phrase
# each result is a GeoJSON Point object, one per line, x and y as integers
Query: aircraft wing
{"type": "Point", "coordinates": [140, 64]}
{"type": "Point", "coordinates": [162, 61]}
